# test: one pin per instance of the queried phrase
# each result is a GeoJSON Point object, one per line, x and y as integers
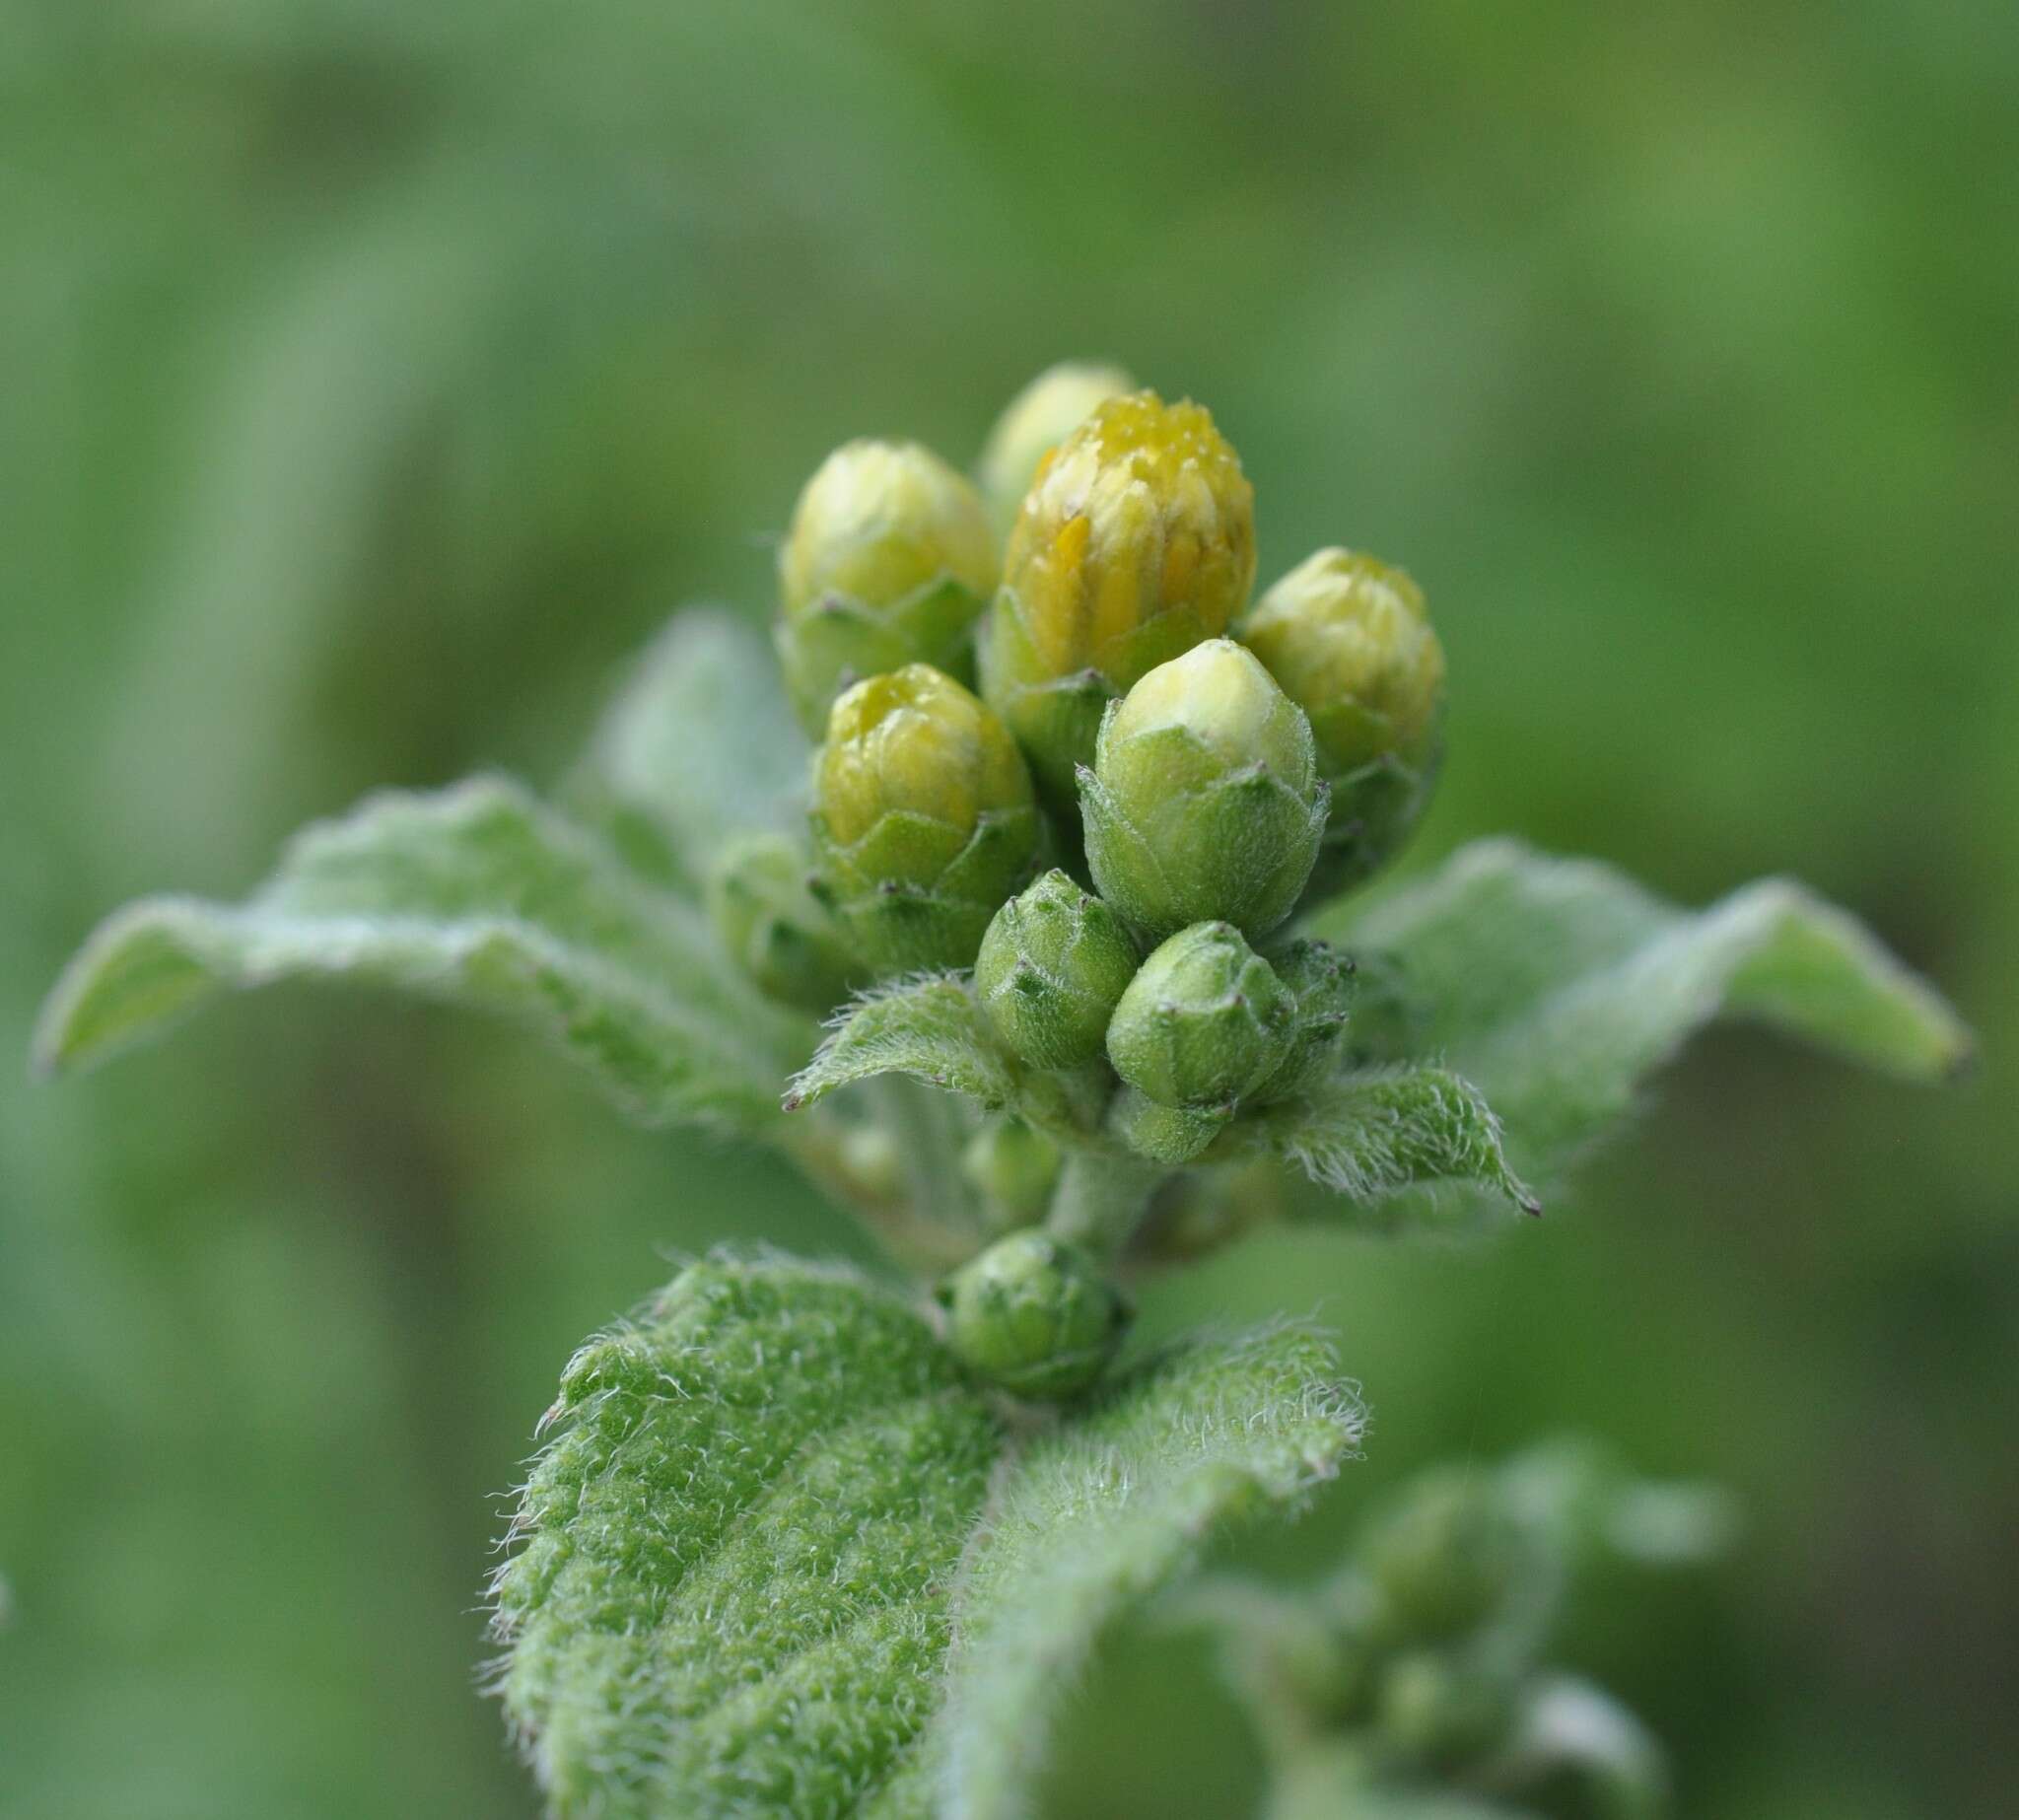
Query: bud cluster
{"type": "Point", "coordinates": [1200, 762]}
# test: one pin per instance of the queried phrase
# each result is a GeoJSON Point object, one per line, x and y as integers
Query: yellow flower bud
{"type": "Point", "coordinates": [1349, 640]}
{"type": "Point", "coordinates": [1034, 423]}
{"type": "Point", "coordinates": [889, 559]}
{"type": "Point", "coordinates": [1137, 541]}
{"type": "Point", "coordinates": [925, 818]}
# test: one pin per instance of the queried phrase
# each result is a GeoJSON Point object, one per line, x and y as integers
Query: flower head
{"type": "Point", "coordinates": [923, 817]}
{"type": "Point", "coordinates": [1203, 801]}
{"type": "Point", "coordinates": [1349, 640]}
{"type": "Point", "coordinates": [889, 558]}
{"type": "Point", "coordinates": [1136, 541]}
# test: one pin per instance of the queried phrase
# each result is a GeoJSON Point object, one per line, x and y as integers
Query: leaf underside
{"type": "Point", "coordinates": [477, 895]}
{"type": "Point", "coordinates": [1556, 987]}
{"type": "Point", "coordinates": [783, 1559]}
{"type": "Point", "coordinates": [698, 746]}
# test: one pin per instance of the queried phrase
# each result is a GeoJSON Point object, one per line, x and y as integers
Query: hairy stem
{"type": "Point", "coordinates": [1100, 1199]}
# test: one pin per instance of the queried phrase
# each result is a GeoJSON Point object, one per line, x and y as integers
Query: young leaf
{"type": "Point", "coordinates": [1367, 1135]}
{"type": "Point", "coordinates": [700, 746]}
{"type": "Point", "coordinates": [928, 1027]}
{"type": "Point", "coordinates": [1556, 986]}
{"type": "Point", "coordinates": [783, 1559]}
{"type": "Point", "coordinates": [478, 895]}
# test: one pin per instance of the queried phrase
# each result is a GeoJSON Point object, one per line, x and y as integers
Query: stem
{"type": "Point", "coordinates": [1099, 1200]}
{"type": "Point", "coordinates": [926, 1123]}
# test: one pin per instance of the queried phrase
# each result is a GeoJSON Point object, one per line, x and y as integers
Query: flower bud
{"type": "Point", "coordinates": [1443, 1557]}
{"type": "Point", "coordinates": [1320, 979]}
{"type": "Point", "coordinates": [1014, 1166]}
{"type": "Point", "coordinates": [1203, 1022]}
{"type": "Point", "coordinates": [1034, 423]}
{"type": "Point", "coordinates": [925, 818]}
{"type": "Point", "coordinates": [1034, 1315]}
{"type": "Point", "coordinates": [1351, 641]}
{"type": "Point", "coordinates": [1137, 540]}
{"type": "Point", "coordinates": [1443, 1709]}
{"type": "Point", "coordinates": [889, 559]}
{"type": "Point", "coordinates": [1053, 965]}
{"type": "Point", "coordinates": [768, 920]}
{"type": "Point", "coordinates": [1204, 800]}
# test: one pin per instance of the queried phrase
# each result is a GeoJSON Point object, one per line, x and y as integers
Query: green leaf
{"type": "Point", "coordinates": [782, 1558]}
{"type": "Point", "coordinates": [1556, 986]}
{"type": "Point", "coordinates": [477, 895]}
{"type": "Point", "coordinates": [699, 746]}
{"type": "Point", "coordinates": [928, 1026]}
{"type": "Point", "coordinates": [1368, 1135]}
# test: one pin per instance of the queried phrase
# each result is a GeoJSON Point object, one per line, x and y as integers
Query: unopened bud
{"type": "Point", "coordinates": [772, 925]}
{"type": "Point", "coordinates": [1321, 980]}
{"type": "Point", "coordinates": [1444, 1555]}
{"type": "Point", "coordinates": [1052, 967]}
{"type": "Point", "coordinates": [1442, 1708]}
{"type": "Point", "coordinates": [1036, 422]}
{"type": "Point", "coordinates": [1203, 1022]}
{"type": "Point", "coordinates": [1351, 641]}
{"type": "Point", "coordinates": [925, 818]}
{"type": "Point", "coordinates": [1137, 540]}
{"type": "Point", "coordinates": [1014, 1166]}
{"type": "Point", "coordinates": [1034, 1315]}
{"type": "Point", "coordinates": [1172, 1135]}
{"type": "Point", "coordinates": [1204, 802]}
{"type": "Point", "coordinates": [888, 560]}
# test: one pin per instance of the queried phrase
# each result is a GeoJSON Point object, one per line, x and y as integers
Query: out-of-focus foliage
{"type": "Point", "coordinates": [374, 377]}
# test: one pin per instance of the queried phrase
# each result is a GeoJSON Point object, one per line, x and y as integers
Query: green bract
{"type": "Point", "coordinates": [1034, 423]}
{"type": "Point", "coordinates": [1203, 801]}
{"type": "Point", "coordinates": [1033, 1315]}
{"type": "Point", "coordinates": [889, 559]}
{"type": "Point", "coordinates": [759, 899]}
{"type": "Point", "coordinates": [1203, 1022]}
{"type": "Point", "coordinates": [1351, 641]}
{"type": "Point", "coordinates": [1052, 967]}
{"type": "Point", "coordinates": [923, 817]}
{"type": "Point", "coordinates": [1137, 541]}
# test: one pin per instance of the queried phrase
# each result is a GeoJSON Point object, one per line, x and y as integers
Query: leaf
{"type": "Point", "coordinates": [1367, 1135]}
{"type": "Point", "coordinates": [928, 1027]}
{"type": "Point", "coordinates": [700, 746]}
{"type": "Point", "coordinates": [782, 1558]}
{"type": "Point", "coordinates": [477, 895]}
{"type": "Point", "coordinates": [1556, 986]}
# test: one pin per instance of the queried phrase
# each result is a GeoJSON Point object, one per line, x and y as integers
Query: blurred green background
{"type": "Point", "coordinates": [377, 376]}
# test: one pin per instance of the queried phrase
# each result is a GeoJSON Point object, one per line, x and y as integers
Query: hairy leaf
{"type": "Point", "coordinates": [783, 1559]}
{"type": "Point", "coordinates": [477, 895]}
{"type": "Point", "coordinates": [1556, 986]}
{"type": "Point", "coordinates": [928, 1027]}
{"type": "Point", "coordinates": [1367, 1135]}
{"type": "Point", "coordinates": [700, 746]}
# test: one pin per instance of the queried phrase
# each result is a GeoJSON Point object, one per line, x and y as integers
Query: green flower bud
{"type": "Point", "coordinates": [1137, 540]}
{"type": "Point", "coordinates": [1034, 1315]}
{"type": "Point", "coordinates": [759, 899]}
{"type": "Point", "coordinates": [1321, 981]}
{"type": "Point", "coordinates": [1165, 1134]}
{"type": "Point", "coordinates": [1014, 1166]}
{"type": "Point", "coordinates": [1036, 422]}
{"type": "Point", "coordinates": [1441, 1708]}
{"type": "Point", "coordinates": [1205, 801]}
{"type": "Point", "coordinates": [1203, 1022]}
{"type": "Point", "coordinates": [1444, 1557]}
{"type": "Point", "coordinates": [923, 817]}
{"type": "Point", "coordinates": [888, 560]}
{"type": "Point", "coordinates": [1053, 965]}
{"type": "Point", "coordinates": [1351, 641]}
